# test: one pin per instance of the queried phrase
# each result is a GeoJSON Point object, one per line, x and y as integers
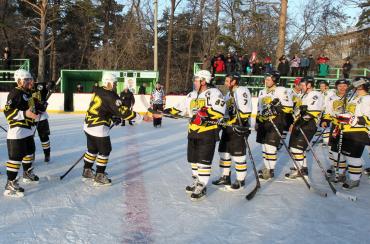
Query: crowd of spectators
{"type": "Point", "coordinates": [297, 65]}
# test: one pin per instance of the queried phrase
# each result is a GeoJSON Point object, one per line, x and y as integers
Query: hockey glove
{"type": "Point", "coordinates": [40, 107]}
{"type": "Point", "coordinates": [200, 117]}
{"type": "Point", "coordinates": [116, 120]}
{"type": "Point", "coordinates": [345, 118]}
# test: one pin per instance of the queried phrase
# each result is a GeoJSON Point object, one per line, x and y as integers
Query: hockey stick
{"type": "Point", "coordinates": [251, 194]}
{"type": "Point", "coordinates": [3, 128]}
{"type": "Point", "coordinates": [75, 163]}
{"type": "Point", "coordinates": [323, 194]}
{"type": "Point", "coordinates": [346, 196]}
{"type": "Point", "coordinates": [317, 139]}
{"type": "Point", "coordinates": [171, 116]}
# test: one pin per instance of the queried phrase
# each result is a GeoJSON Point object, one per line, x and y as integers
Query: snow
{"type": "Point", "coordinates": [147, 202]}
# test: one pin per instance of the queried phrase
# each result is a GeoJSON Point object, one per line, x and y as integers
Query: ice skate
{"type": "Point", "coordinates": [12, 189]}
{"type": "Point", "coordinates": [29, 176]}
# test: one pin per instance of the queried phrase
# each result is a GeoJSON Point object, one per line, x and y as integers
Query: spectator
{"type": "Point", "coordinates": [128, 100]}
{"type": "Point", "coordinates": [304, 65]}
{"type": "Point", "coordinates": [239, 65]}
{"type": "Point", "coordinates": [95, 86]}
{"type": "Point", "coordinates": [294, 65]}
{"type": "Point", "coordinates": [206, 65]}
{"type": "Point", "coordinates": [283, 68]}
{"type": "Point", "coordinates": [79, 88]}
{"type": "Point", "coordinates": [142, 89]}
{"type": "Point", "coordinates": [323, 67]}
{"type": "Point", "coordinates": [253, 60]}
{"type": "Point", "coordinates": [267, 67]}
{"type": "Point", "coordinates": [246, 66]}
{"type": "Point", "coordinates": [311, 66]}
{"type": "Point", "coordinates": [347, 66]}
{"type": "Point", "coordinates": [219, 65]}
{"type": "Point", "coordinates": [6, 62]}
{"type": "Point", "coordinates": [229, 65]}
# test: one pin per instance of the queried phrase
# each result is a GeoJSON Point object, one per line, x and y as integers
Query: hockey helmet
{"type": "Point", "coordinates": [108, 78]}
{"type": "Point", "coordinates": [275, 76]}
{"type": "Point", "coordinates": [297, 80]}
{"type": "Point", "coordinates": [326, 83]}
{"type": "Point", "coordinates": [22, 74]}
{"type": "Point", "coordinates": [361, 81]}
{"type": "Point", "coordinates": [204, 74]}
{"type": "Point", "coordinates": [341, 81]}
{"type": "Point", "coordinates": [308, 80]}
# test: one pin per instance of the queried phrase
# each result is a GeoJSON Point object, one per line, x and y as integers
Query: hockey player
{"type": "Point", "coordinates": [333, 107]}
{"type": "Point", "coordinates": [203, 104]}
{"type": "Point", "coordinates": [40, 93]}
{"type": "Point", "coordinates": [105, 108]}
{"type": "Point", "coordinates": [158, 102]}
{"type": "Point", "coordinates": [307, 116]}
{"type": "Point", "coordinates": [21, 111]}
{"type": "Point", "coordinates": [295, 94]}
{"type": "Point", "coordinates": [326, 93]}
{"type": "Point", "coordinates": [232, 146]}
{"type": "Point", "coordinates": [353, 123]}
{"type": "Point", "coordinates": [273, 103]}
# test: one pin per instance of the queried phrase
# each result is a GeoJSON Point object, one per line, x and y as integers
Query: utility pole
{"type": "Point", "coordinates": [155, 35]}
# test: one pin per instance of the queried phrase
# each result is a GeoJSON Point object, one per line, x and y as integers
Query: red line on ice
{"type": "Point", "coordinates": [137, 207]}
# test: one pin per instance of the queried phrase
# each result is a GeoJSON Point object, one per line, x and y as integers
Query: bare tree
{"type": "Point", "coordinates": [282, 30]}
{"type": "Point", "coordinates": [40, 9]}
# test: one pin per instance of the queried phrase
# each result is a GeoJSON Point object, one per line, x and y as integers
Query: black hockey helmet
{"type": "Point", "coordinates": [308, 80]}
{"type": "Point", "coordinates": [326, 83]}
{"type": "Point", "coordinates": [342, 81]}
{"type": "Point", "coordinates": [275, 76]}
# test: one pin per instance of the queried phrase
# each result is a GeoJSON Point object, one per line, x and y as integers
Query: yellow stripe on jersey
{"type": "Point", "coordinates": [214, 114]}
{"type": "Point", "coordinates": [13, 166]}
{"type": "Point", "coordinates": [287, 110]}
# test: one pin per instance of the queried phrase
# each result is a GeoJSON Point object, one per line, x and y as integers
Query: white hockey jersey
{"type": "Point", "coordinates": [266, 96]}
{"type": "Point", "coordinates": [327, 95]}
{"type": "Point", "coordinates": [211, 98]}
{"type": "Point", "coordinates": [243, 99]}
{"type": "Point", "coordinates": [314, 101]}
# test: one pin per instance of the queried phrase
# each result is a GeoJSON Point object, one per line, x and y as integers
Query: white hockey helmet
{"type": "Point", "coordinates": [108, 78]}
{"type": "Point", "coordinates": [21, 74]}
{"type": "Point", "coordinates": [204, 74]}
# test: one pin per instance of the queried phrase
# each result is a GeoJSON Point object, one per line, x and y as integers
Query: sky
{"type": "Point", "coordinates": [293, 5]}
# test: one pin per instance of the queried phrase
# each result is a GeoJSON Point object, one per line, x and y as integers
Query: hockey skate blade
{"type": "Point", "coordinates": [229, 189]}
{"type": "Point", "coordinates": [346, 196]}
{"type": "Point", "coordinates": [96, 184]}
{"type": "Point", "coordinates": [9, 193]}
{"type": "Point", "coordinates": [51, 178]}
{"type": "Point", "coordinates": [26, 181]}
{"type": "Point", "coordinates": [197, 199]}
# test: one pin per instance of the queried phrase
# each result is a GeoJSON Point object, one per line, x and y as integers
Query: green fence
{"type": "Point", "coordinates": [7, 75]}
{"type": "Point", "coordinates": [87, 78]}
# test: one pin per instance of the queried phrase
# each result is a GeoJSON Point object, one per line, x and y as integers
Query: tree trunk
{"type": "Point", "coordinates": [169, 46]}
{"type": "Point", "coordinates": [3, 15]}
{"type": "Point", "coordinates": [42, 43]}
{"type": "Point", "coordinates": [189, 58]}
{"type": "Point", "coordinates": [282, 30]}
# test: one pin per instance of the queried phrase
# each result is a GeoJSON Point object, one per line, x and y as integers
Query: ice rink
{"type": "Point", "coordinates": [147, 202]}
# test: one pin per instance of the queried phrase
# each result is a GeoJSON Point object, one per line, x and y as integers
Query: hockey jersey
{"type": "Point", "coordinates": [103, 106]}
{"type": "Point", "coordinates": [314, 102]}
{"type": "Point", "coordinates": [18, 102]}
{"type": "Point", "coordinates": [266, 96]}
{"type": "Point", "coordinates": [40, 93]}
{"type": "Point", "coordinates": [213, 100]}
{"type": "Point", "coordinates": [157, 97]}
{"type": "Point", "coordinates": [240, 98]}
{"type": "Point", "coordinates": [359, 106]}
{"type": "Point", "coordinates": [326, 96]}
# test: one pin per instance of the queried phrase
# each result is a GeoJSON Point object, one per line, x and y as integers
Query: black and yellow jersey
{"type": "Point", "coordinates": [213, 100]}
{"type": "Point", "coordinates": [103, 106]}
{"type": "Point", "coordinates": [18, 102]}
{"type": "Point", "coordinates": [40, 93]}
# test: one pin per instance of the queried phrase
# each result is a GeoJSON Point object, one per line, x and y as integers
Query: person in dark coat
{"type": "Point", "coordinates": [128, 100]}
{"type": "Point", "coordinates": [347, 66]}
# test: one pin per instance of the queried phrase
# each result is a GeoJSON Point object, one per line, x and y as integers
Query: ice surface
{"type": "Point", "coordinates": [147, 202]}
